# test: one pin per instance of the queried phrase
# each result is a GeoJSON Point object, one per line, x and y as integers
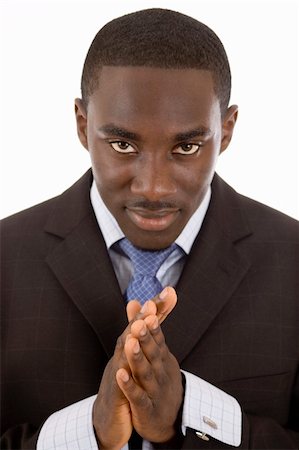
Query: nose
{"type": "Point", "coordinates": [153, 179]}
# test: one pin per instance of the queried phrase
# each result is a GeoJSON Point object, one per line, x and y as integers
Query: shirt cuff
{"type": "Point", "coordinates": [70, 428]}
{"type": "Point", "coordinates": [206, 409]}
{"type": "Point", "coordinates": [211, 412]}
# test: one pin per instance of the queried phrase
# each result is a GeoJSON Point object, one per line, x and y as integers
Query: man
{"type": "Point", "coordinates": [222, 370]}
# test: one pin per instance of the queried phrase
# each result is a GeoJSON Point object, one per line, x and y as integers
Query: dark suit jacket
{"type": "Point", "coordinates": [235, 325]}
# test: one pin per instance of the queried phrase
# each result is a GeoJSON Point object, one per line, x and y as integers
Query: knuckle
{"type": "Point", "coordinates": [161, 378]}
{"type": "Point", "coordinates": [154, 355]}
{"type": "Point", "coordinates": [147, 375]}
{"type": "Point", "coordinates": [141, 399]}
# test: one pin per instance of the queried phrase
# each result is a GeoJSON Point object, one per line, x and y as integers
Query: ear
{"type": "Point", "coordinates": [81, 119]}
{"type": "Point", "coordinates": [228, 125]}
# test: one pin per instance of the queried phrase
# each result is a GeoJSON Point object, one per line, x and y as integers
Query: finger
{"type": "Point", "coordinates": [119, 358]}
{"type": "Point", "coordinates": [111, 413]}
{"type": "Point", "coordinates": [135, 310]}
{"type": "Point", "coordinates": [142, 370]}
{"type": "Point", "coordinates": [164, 302]}
{"type": "Point", "coordinates": [136, 396]}
{"type": "Point", "coordinates": [119, 347]}
{"type": "Point", "coordinates": [152, 324]}
{"type": "Point", "coordinates": [139, 329]}
{"type": "Point", "coordinates": [146, 358]}
{"type": "Point", "coordinates": [149, 308]}
{"type": "Point", "coordinates": [148, 332]}
{"type": "Point", "coordinates": [151, 339]}
{"type": "Point", "coordinates": [132, 347]}
{"type": "Point", "coordinates": [161, 305]}
{"type": "Point", "coordinates": [122, 376]}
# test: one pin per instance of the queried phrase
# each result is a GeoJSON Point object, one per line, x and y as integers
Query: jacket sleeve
{"type": "Point", "coordinates": [22, 436]}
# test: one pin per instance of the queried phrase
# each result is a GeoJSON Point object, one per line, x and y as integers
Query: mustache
{"type": "Point", "coordinates": [152, 206]}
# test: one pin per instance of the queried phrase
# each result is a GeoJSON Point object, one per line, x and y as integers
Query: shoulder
{"type": "Point", "coordinates": [35, 217]}
{"type": "Point", "coordinates": [29, 227]}
{"type": "Point", "coordinates": [264, 222]}
{"type": "Point", "coordinates": [22, 234]}
{"type": "Point", "coordinates": [269, 222]}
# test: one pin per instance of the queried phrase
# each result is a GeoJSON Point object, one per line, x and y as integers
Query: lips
{"type": "Point", "coordinates": [148, 220]}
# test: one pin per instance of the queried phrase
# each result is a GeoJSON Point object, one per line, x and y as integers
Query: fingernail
{"type": "Point", "coordinates": [144, 308]}
{"type": "Point", "coordinates": [136, 348]}
{"type": "Point", "coordinates": [155, 324]}
{"type": "Point", "coordinates": [142, 332]}
{"type": "Point", "coordinates": [124, 376]}
{"type": "Point", "coordinates": [163, 294]}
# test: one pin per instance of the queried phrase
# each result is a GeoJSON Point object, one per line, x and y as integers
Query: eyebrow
{"type": "Point", "coordinates": [119, 132]}
{"type": "Point", "coordinates": [186, 136]}
{"type": "Point", "coordinates": [114, 130]}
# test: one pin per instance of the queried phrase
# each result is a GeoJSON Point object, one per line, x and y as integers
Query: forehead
{"type": "Point", "coordinates": [135, 94]}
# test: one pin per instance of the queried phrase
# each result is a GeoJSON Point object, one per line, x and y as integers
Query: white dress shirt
{"type": "Point", "coordinates": [207, 410]}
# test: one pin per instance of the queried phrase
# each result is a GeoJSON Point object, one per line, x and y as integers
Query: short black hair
{"type": "Point", "coordinates": [157, 38]}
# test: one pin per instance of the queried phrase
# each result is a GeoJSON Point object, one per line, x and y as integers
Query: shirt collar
{"type": "Point", "coordinates": [112, 232]}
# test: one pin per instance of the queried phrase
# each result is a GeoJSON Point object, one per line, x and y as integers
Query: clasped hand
{"type": "Point", "coordinates": [141, 387]}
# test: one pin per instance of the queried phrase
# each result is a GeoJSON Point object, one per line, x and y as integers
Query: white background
{"type": "Point", "coordinates": [43, 46]}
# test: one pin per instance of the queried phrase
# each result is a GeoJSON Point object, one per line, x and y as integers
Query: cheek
{"type": "Point", "coordinates": [110, 175]}
{"type": "Point", "coordinates": [196, 178]}
{"type": "Point", "coordinates": [198, 173]}
{"type": "Point", "coordinates": [209, 157]}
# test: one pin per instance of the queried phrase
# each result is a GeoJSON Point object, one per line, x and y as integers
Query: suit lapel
{"type": "Point", "coordinates": [213, 270]}
{"type": "Point", "coordinates": [82, 265]}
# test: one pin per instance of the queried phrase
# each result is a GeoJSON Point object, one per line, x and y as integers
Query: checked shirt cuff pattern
{"type": "Point", "coordinates": [211, 411]}
{"type": "Point", "coordinates": [206, 409]}
{"type": "Point", "coordinates": [70, 428]}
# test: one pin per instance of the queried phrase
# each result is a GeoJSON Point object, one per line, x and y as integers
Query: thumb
{"type": "Point", "coordinates": [161, 306]}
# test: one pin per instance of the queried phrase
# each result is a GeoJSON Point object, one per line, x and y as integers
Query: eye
{"type": "Point", "coordinates": [122, 147]}
{"type": "Point", "coordinates": [188, 149]}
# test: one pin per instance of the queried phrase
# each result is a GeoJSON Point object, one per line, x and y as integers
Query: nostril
{"type": "Point", "coordinates": [153, 184]}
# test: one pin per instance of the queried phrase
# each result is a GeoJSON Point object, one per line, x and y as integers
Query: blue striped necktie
{"type": "Point", "coordinates": [144, 284]}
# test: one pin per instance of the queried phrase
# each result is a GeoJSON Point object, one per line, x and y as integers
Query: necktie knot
{"type": "Point", "coordinates": [146, 263]}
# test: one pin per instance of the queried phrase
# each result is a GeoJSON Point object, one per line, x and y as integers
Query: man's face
{"type": "Point", "coordinates": [154, 136]}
